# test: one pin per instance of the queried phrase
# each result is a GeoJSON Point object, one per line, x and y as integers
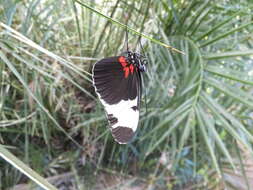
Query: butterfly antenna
{"type": "Point", "coordinates": [127, 38]}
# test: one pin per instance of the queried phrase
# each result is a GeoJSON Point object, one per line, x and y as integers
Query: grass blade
{"type": "Point", "coordinates": [130, 29]}
{"type": "Point", "coordinates": [232, 92]}
{"type": "Point", "coordinates": [206, 119]}
{"type": "Point", "coordinates": [222, 36]}
{"type": "Point", "coordinates": [30, 43]}
{"type": "Point", "coordinates": [230, 74]}
{"type": "Point", "coordinates": [224, 117]}
{"type": "Point", "coordinates": [168, 132]}
{"type": "Point", "coordinates": [25, 85]}
{"type": "Point", "coordinates": [217, 26]}
{"type": "Point", "coordinates": [207, 140]}
{"type": "Point", "coordinates": [22, 167]}
{"type": "Point", "coordinates": [228, 54]}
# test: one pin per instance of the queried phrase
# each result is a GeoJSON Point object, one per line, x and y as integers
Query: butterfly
{"type": "Point", "coordinates": [118, 83]}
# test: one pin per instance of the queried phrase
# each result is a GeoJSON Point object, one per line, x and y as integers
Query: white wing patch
{"type": "Point", "coordinates": [126, 113]}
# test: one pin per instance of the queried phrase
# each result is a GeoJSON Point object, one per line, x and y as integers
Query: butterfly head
{"type": "Point", "coordinates": [137, 60]}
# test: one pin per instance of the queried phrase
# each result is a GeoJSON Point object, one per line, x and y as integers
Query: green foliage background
{"type": "Point", "coordinates": [198, 123]}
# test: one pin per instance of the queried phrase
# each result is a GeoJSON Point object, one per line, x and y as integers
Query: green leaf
{"type": "Point", "coordinates": [210, 126]}
{"type": "Point", "coordinates": [25, 85]}
{"type": "Point", "coordinates": [168, 132]}
{"type": "Point", "coordinates": [177, 112]}
{"type": "Point", "coordinates": [232, 92]}
{"type": "Point", "coordinates": [217, 26]}
{"type": "Point", "coordinates": [222, 36]}
{"type": "Point", "coordinates": [128, 28]}
{"type": "Point", "coordinates": [22, 167]}
{"type": "Point", "coordinates": [229, 54]}
{"type": "Point", "coordinates": [20, 37]}
{"type": "Point", "coordinates": [190, 123]}
{"type": "Point", "coordinates": [230, 74]}
{"type": "Point", "coordinates": [224, 117]}
{"type": "Point", "coordinates": [207, 140]}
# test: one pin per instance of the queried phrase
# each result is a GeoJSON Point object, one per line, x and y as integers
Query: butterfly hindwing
{"type": "Point", "coordinates": [118, 85]}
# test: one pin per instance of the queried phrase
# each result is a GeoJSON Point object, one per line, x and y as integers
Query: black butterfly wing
{"type": "Point", "coordinates": [118, 85]}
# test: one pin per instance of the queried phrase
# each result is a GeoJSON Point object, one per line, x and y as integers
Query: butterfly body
{"type": "Point", "coordinates": [118, 84]}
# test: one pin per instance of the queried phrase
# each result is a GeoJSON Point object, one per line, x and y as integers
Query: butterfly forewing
{"type": "Point", "coordinates": [118, 85]}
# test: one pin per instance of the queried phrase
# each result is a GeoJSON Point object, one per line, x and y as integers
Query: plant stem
{"type": "Point", "coordinates": [129, 29]}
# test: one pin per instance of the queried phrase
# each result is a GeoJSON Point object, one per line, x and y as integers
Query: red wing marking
{"type": "Point", "coordinates": [131, 68]}
{"type": "Point", "coordinates": [127, 68]}
{"type": "Point", "coordinates": [123, 61]}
